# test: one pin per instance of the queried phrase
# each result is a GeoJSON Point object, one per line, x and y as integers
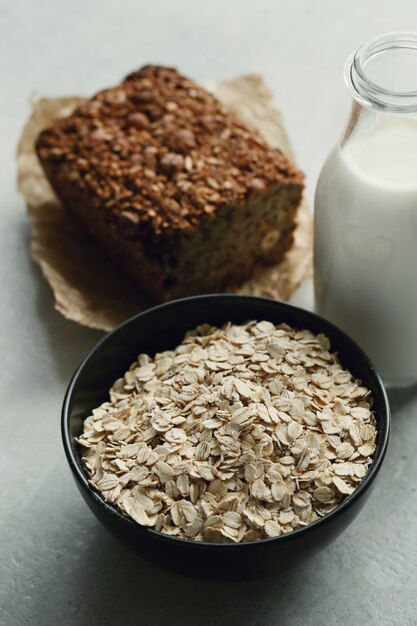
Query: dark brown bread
{"type": "Point", "coordinates": [182, 194]}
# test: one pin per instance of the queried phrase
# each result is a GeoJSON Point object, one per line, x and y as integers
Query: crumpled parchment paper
{"type": "Point", "coordinates": [88, 287]}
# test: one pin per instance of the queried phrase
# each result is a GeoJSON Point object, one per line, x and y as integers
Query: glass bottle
{"type": "Point", "coordinates": [365, 253]}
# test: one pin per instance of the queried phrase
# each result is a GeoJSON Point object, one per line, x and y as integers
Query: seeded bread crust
{"type": "Point", "coordinates": [182, 194]}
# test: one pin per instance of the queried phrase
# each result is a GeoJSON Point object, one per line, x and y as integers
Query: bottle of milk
{"type": "Point", "coordinates": [366, 211]}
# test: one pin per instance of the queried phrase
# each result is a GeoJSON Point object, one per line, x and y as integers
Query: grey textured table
{"type": "Point", "coordinates": [58, 565]}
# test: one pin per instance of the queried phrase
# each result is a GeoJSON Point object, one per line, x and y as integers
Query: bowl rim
{"type": "Point", "coordinates": [83, 481]}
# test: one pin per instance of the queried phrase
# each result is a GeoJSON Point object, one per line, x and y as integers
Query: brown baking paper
{"type": "Point", "coordinates": [88, 287]}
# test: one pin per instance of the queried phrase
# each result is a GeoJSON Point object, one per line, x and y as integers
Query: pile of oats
{"type": "Point", "coordinates": [239, 434]}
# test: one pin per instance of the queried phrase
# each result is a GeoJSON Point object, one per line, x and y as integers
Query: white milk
{"type": "Point", "coordinates": [366, 243]}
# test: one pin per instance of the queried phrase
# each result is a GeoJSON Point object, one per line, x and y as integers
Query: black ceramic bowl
{"type": "Point", "coordinates": [161, 328]}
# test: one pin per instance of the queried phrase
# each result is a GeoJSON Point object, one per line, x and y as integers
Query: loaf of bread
{"type": "Point", "coordinates": [183, 195]}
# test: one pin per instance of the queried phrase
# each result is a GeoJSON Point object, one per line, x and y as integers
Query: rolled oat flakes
{"type": "Point", "coordinates": [239, 434]}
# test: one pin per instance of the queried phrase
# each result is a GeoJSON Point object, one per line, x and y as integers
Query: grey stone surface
{"type": "Point", "coordinates": [57, 564]}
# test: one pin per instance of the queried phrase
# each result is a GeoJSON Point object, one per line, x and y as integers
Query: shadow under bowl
{"type": "Point", "coordinates": [162, 328]}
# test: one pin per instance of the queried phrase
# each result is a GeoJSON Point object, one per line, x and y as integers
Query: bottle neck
{"type": "Point", "coordinates": [382, 74]}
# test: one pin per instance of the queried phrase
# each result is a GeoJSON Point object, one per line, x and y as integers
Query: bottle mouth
{"type": "Point", "coordinates": [382, 73]}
